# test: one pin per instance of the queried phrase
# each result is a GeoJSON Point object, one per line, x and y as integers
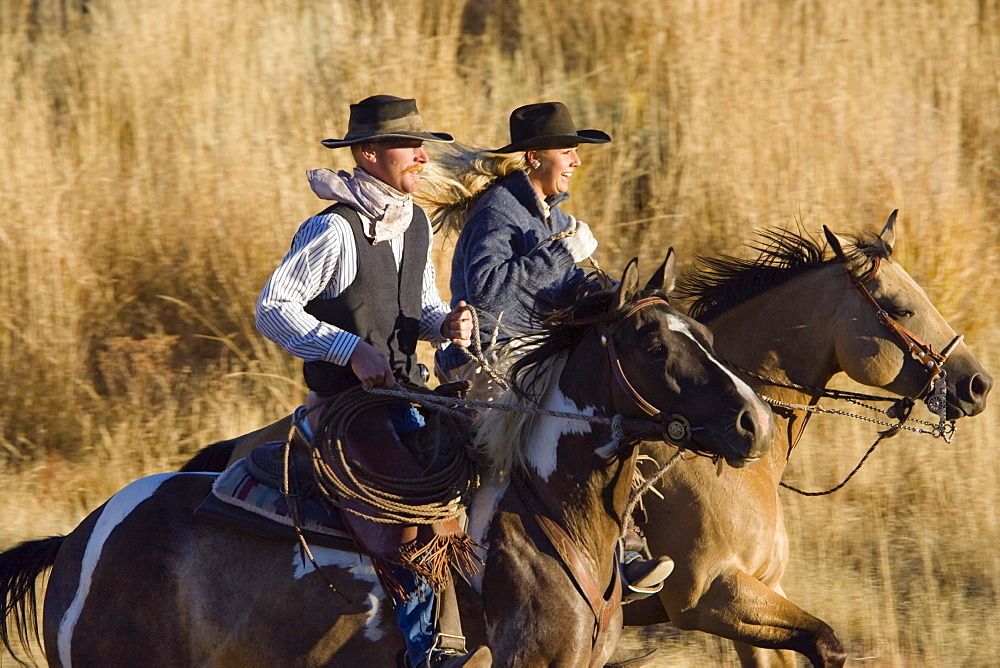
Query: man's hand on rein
{"type": "Point", "coordinates": [371, 367]}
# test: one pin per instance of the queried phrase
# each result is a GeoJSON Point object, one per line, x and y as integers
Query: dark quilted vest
{"type": "Point", "coordinates": [382, 306]}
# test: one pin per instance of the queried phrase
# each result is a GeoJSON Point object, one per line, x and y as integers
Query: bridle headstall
{"type": "Point", "coordinates": [934, 393]}
{"type": "Point", "coordinates": [677, 429]}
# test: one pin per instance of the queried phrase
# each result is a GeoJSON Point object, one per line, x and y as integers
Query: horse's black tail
{"type": "Point", "coordinates": [20, 566]}
{"type": "Point", "coordinates": [211, 458]}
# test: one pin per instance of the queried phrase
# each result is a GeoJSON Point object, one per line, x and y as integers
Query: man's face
{"type": "Point", "coordinates": [397, 163]}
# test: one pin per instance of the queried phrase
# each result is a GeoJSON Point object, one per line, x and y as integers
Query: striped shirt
{"type": "Point", "coordinates": [323, 262]}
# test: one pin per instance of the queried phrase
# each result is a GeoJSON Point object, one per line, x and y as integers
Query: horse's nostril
{"type": "Point", "coordinates": [747, 424]}
{"type": "Point", "coordinates": [979, 386]}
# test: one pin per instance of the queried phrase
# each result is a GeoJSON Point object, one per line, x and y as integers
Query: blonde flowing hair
{"type": "Point", "coordinates": [456, 177]}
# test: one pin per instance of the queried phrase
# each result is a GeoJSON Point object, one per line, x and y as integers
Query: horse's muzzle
{"type": "Point", "coordinates": [755, 428]}
{"type": "Point", "coordinates": [968, 396]}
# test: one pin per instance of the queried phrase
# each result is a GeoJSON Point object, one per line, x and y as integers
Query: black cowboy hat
{"type": "Point", "coordinates": [547, 125]}
{"type": "Point", "coordinates": [382, 117]}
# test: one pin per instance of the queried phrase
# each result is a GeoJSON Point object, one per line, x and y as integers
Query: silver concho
{"type": "Point", "coordinates": [937, 401]}
{"type": "Point", "coordinates": [676, 431]}
{"type": "Point", "coordinates": [937, 404]}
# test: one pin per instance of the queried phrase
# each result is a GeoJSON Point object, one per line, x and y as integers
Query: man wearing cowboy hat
{"type": "Point", "coordinates": [357, 290]}
{"type": "Point", "coordinates": [318, 305]}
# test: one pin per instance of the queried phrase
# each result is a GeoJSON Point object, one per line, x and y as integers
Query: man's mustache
{"type": "Point", "coordinates": [414, 169]}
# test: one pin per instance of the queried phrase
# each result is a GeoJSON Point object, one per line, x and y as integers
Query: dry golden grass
{"type": "Point", "coordinates": [153, 174]}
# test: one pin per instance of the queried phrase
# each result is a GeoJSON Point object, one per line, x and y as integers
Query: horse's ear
{"type": "Point", "coordinates": [664, 277]}
{"type": "Point", "coordinates": [629, 285]}
{"type": "Point", "coordinates": [836, 243]}
{"type": "Point", "coordinates": [888, 233]}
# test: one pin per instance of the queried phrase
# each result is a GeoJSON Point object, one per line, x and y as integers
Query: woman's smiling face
{"type": "Point", "coordinates": [556, 167]}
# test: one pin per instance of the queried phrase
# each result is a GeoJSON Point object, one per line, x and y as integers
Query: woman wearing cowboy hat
{"type": "Point", "coordinates": [517, 253]}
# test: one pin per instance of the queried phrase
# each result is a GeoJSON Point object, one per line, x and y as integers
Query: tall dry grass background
{"type": "Point", "coordinates": [153, 158]}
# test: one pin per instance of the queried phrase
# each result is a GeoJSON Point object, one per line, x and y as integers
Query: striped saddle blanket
{"type": "Point", "coordinates": [249, 495]}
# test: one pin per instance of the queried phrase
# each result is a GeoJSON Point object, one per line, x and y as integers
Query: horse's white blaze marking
{"type": "Point", "coordinates": [360, 567]}
{"type": "Point", "coordinates": [543, 442]}
{"type": "Point", "coordinates": [117, 509]}
{"type": "Point", "coordinates": [677, 324]}
{"type": "Point", "coordinates": [481, 511]}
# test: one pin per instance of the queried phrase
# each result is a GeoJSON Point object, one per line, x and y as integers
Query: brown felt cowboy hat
{"type": "Point", "coordinates": [382, 117]}
{"type": "Point", "coordinates": [547, 125]}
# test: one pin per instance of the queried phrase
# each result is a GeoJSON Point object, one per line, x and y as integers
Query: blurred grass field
{"type": "Point", "coordinates": [152, 173]}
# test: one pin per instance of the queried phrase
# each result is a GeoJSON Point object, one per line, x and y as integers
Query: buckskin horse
{"type": "Point", "coordinates": [790, 319]}
{"type": "Point", "coordinates": [144, 581]}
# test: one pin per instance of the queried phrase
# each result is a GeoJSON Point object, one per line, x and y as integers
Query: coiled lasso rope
{"type": "Point", "coordinates": [433, 497]}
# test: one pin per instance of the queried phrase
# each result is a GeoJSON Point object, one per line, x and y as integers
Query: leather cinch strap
{"type": "Point", "coordinates": [579, 570]}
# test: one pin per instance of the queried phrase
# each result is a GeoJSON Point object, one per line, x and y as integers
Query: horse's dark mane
{"type": "Point", "coordinates": [719, 284]}
{"type": "Point", "coordinates": [562, 328]}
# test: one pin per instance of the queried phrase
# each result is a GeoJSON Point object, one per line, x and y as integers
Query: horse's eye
{"type": "Point", "coordinates": [902, 313]}
{"type": "Point", "coordinates": [657, 350]}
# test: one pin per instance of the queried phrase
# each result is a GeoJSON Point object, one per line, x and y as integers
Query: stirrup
{"type": "Point", "coordinates": [481, 657]}
{"type": "Point", "coordinates": [634, 541]}
{"type": "Point", "coordinates": [445, 644]}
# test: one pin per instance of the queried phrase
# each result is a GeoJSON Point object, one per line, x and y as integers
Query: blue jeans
{"type": "Point", "coordinates": [415, 616]}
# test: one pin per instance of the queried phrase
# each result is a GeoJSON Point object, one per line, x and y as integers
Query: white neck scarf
{"type": "Point", "coordinates": [389, 210]}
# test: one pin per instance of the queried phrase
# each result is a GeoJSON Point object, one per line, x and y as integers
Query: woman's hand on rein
{"type": "Point", "coordinates": [457, 326]}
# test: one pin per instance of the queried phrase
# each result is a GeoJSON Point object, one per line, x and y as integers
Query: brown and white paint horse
{"type": "Point", "coordinates": [792, 316]}
{"type": "Point", "coordinates": [564, 471]}
{"type": "Point", "coordinates": [143, 581]}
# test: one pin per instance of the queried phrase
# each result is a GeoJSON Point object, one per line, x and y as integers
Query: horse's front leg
{"type": "Point", "coordinates": [738, 606]}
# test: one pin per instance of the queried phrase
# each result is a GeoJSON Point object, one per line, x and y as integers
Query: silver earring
{"type": "Point", "coordinates": [535, 164]}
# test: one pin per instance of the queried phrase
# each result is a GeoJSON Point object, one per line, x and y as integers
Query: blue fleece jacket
{"type": "Point", "coordinates": [502, 263]}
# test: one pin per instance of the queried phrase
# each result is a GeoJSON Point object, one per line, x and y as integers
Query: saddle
{"type": "Point", "coordinates": [281, 491]}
